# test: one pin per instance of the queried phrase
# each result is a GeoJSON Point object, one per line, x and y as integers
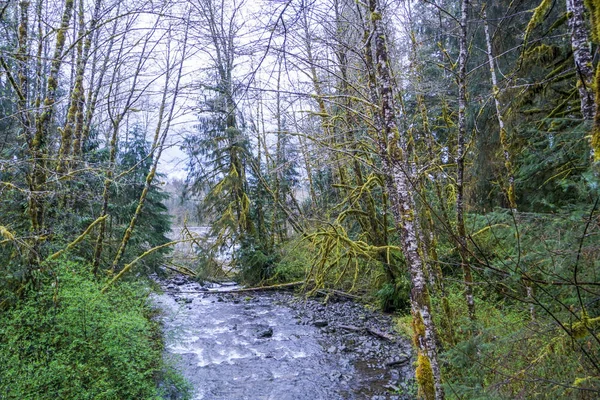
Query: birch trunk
{"type": "Point", "coordinates": [392, 148]}
{"type": "Point", "coordinates": [510, 190]}
{"type": "Point", "coordinates": [580, 43]}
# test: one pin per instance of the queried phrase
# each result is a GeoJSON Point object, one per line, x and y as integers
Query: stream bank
{"type": "Point", "coordinates": [275, 345]}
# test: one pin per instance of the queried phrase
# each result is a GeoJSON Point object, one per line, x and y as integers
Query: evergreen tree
{"type": "Point", "coordinates": [154, 222]}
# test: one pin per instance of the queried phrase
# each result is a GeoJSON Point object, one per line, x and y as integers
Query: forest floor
{"type": "Point", "coordinates": [277, 345]}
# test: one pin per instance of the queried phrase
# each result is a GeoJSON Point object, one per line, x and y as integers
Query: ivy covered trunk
{"type": "Point", "coordinates": [396, 165]}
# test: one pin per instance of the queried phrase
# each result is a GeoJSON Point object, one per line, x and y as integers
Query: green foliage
{"type": "Point", "coordinates": [505, 354]}
{"type": "Point", "coordinates": [154, 222]}
{"type": "Point", "coordinates": [394, 296]}
{"type": "Point", "coordinates": [69, 341]}
{"type": "Point", "coordinates": [256, 263]}
{"type": "Point", "coordinates": [295, 261]}
{"type": "Point", "coordinates": [511, 356]}
{"type": "Point", "coordinates": [537, 17]}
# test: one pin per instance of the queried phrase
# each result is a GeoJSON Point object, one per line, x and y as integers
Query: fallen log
{"type": "Point", "coordinates": [242, 290]}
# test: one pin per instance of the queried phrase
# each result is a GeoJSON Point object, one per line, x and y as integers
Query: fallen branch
{"type": "Point", "coordinates": [131, 264]}
{"type": "Point", "coordinates": [78, 239]}
{"type": "Point", "coordinates": [181, 270]}
{"type": "Point", "coordinates": [271, 287]}
{"type": "Point", "coordinates": [373, 332]}
{"type": "Point", "coordinates": [253, 289]}
{"type": "Point", "coordinates": [329, 292]}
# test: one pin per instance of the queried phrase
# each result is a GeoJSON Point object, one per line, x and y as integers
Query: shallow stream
{"type": "Point", "coordinates": [264, 345]}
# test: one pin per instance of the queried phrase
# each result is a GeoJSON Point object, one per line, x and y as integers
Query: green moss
{"type": "Point", "coordinates": [538, 17]}
{"type": "Point", "coordinates": [596, 129]}
{"type": "Point", "coordinates": [418, 329]}
{"type": "Point", "coordinates": [424, 378]}
{"type": "Point", "coordinates": [375, 16]}
{"type": "Point", "coordinates": [581, 329]}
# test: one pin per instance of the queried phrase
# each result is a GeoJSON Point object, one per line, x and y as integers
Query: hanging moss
{"type": "Point", "coordinates": [593, 7]}
{"type": "Point", "coordinates": [538, 17]}
{"type": "Point", "coordinates": [581, 329]}
{"type": "Point", "coordinates": [375, 16]}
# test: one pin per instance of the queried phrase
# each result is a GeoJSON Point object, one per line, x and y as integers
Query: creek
{"type": "Point", "coordinates": [275, 345]}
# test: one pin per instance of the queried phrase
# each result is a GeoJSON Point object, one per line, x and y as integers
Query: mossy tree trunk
{"type": "Point", "coordinates": [38, 145]}
{"type": "Point", "coordinates": [395, 161]}
{"type": "Point", "coordinates": [580, 43]}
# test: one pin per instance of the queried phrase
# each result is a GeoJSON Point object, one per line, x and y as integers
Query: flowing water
{"type": "Point", "coordinates": [255, 346]}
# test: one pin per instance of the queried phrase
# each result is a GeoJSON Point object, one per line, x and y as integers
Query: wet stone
{"type": "Point", "coordinates": [267, 333]}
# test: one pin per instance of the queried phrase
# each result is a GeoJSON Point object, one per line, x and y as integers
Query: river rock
{"type": "Point", "coordinates": [400, 360]}
{"type": "Point", "coordinates": [179, 281]}
{"type": "Point", "coordinates": [267, 333]}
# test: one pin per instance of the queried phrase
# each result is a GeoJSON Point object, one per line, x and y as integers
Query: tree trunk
{"type": "Point", "coordinates": [37, 147]}
{"type": "Point", "coordinates": [510, 190]}
{"type": "Point", "coordinates": [580, 43]}
{"type": "Point", "coordinates": [392, 148]}
{"type": "Point", "coordinates": [460, 160]}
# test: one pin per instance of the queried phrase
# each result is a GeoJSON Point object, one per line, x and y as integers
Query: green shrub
{"type": "Point", "coordinates": [69, 341]}
{"type": "Point", "coordinates": [295, 261]}
{"type": "Point", "coordinates": [394, 297]}
{"type": "Point", "coordinates": [506, 355]}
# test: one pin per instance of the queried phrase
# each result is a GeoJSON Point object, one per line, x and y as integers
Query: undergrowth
{"type": "Point", "coordinates": [69, 341]}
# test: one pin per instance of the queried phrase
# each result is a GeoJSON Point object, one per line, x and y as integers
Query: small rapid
{"type": "Point", "coordinates": [273, 345]}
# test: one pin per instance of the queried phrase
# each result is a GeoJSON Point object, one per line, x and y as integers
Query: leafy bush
{"type": "Point", "coordinates": [69, 341]}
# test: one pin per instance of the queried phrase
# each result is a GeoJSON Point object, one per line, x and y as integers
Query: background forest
{"type": "Point", "coordinates": [438, 158]}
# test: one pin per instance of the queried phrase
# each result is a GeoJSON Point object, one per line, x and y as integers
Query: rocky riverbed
{"type": "Point", "coordinates": [276, 345]}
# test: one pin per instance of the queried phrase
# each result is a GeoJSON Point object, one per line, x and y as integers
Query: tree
{"type": "Point", "coordinates": [393, 148]}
